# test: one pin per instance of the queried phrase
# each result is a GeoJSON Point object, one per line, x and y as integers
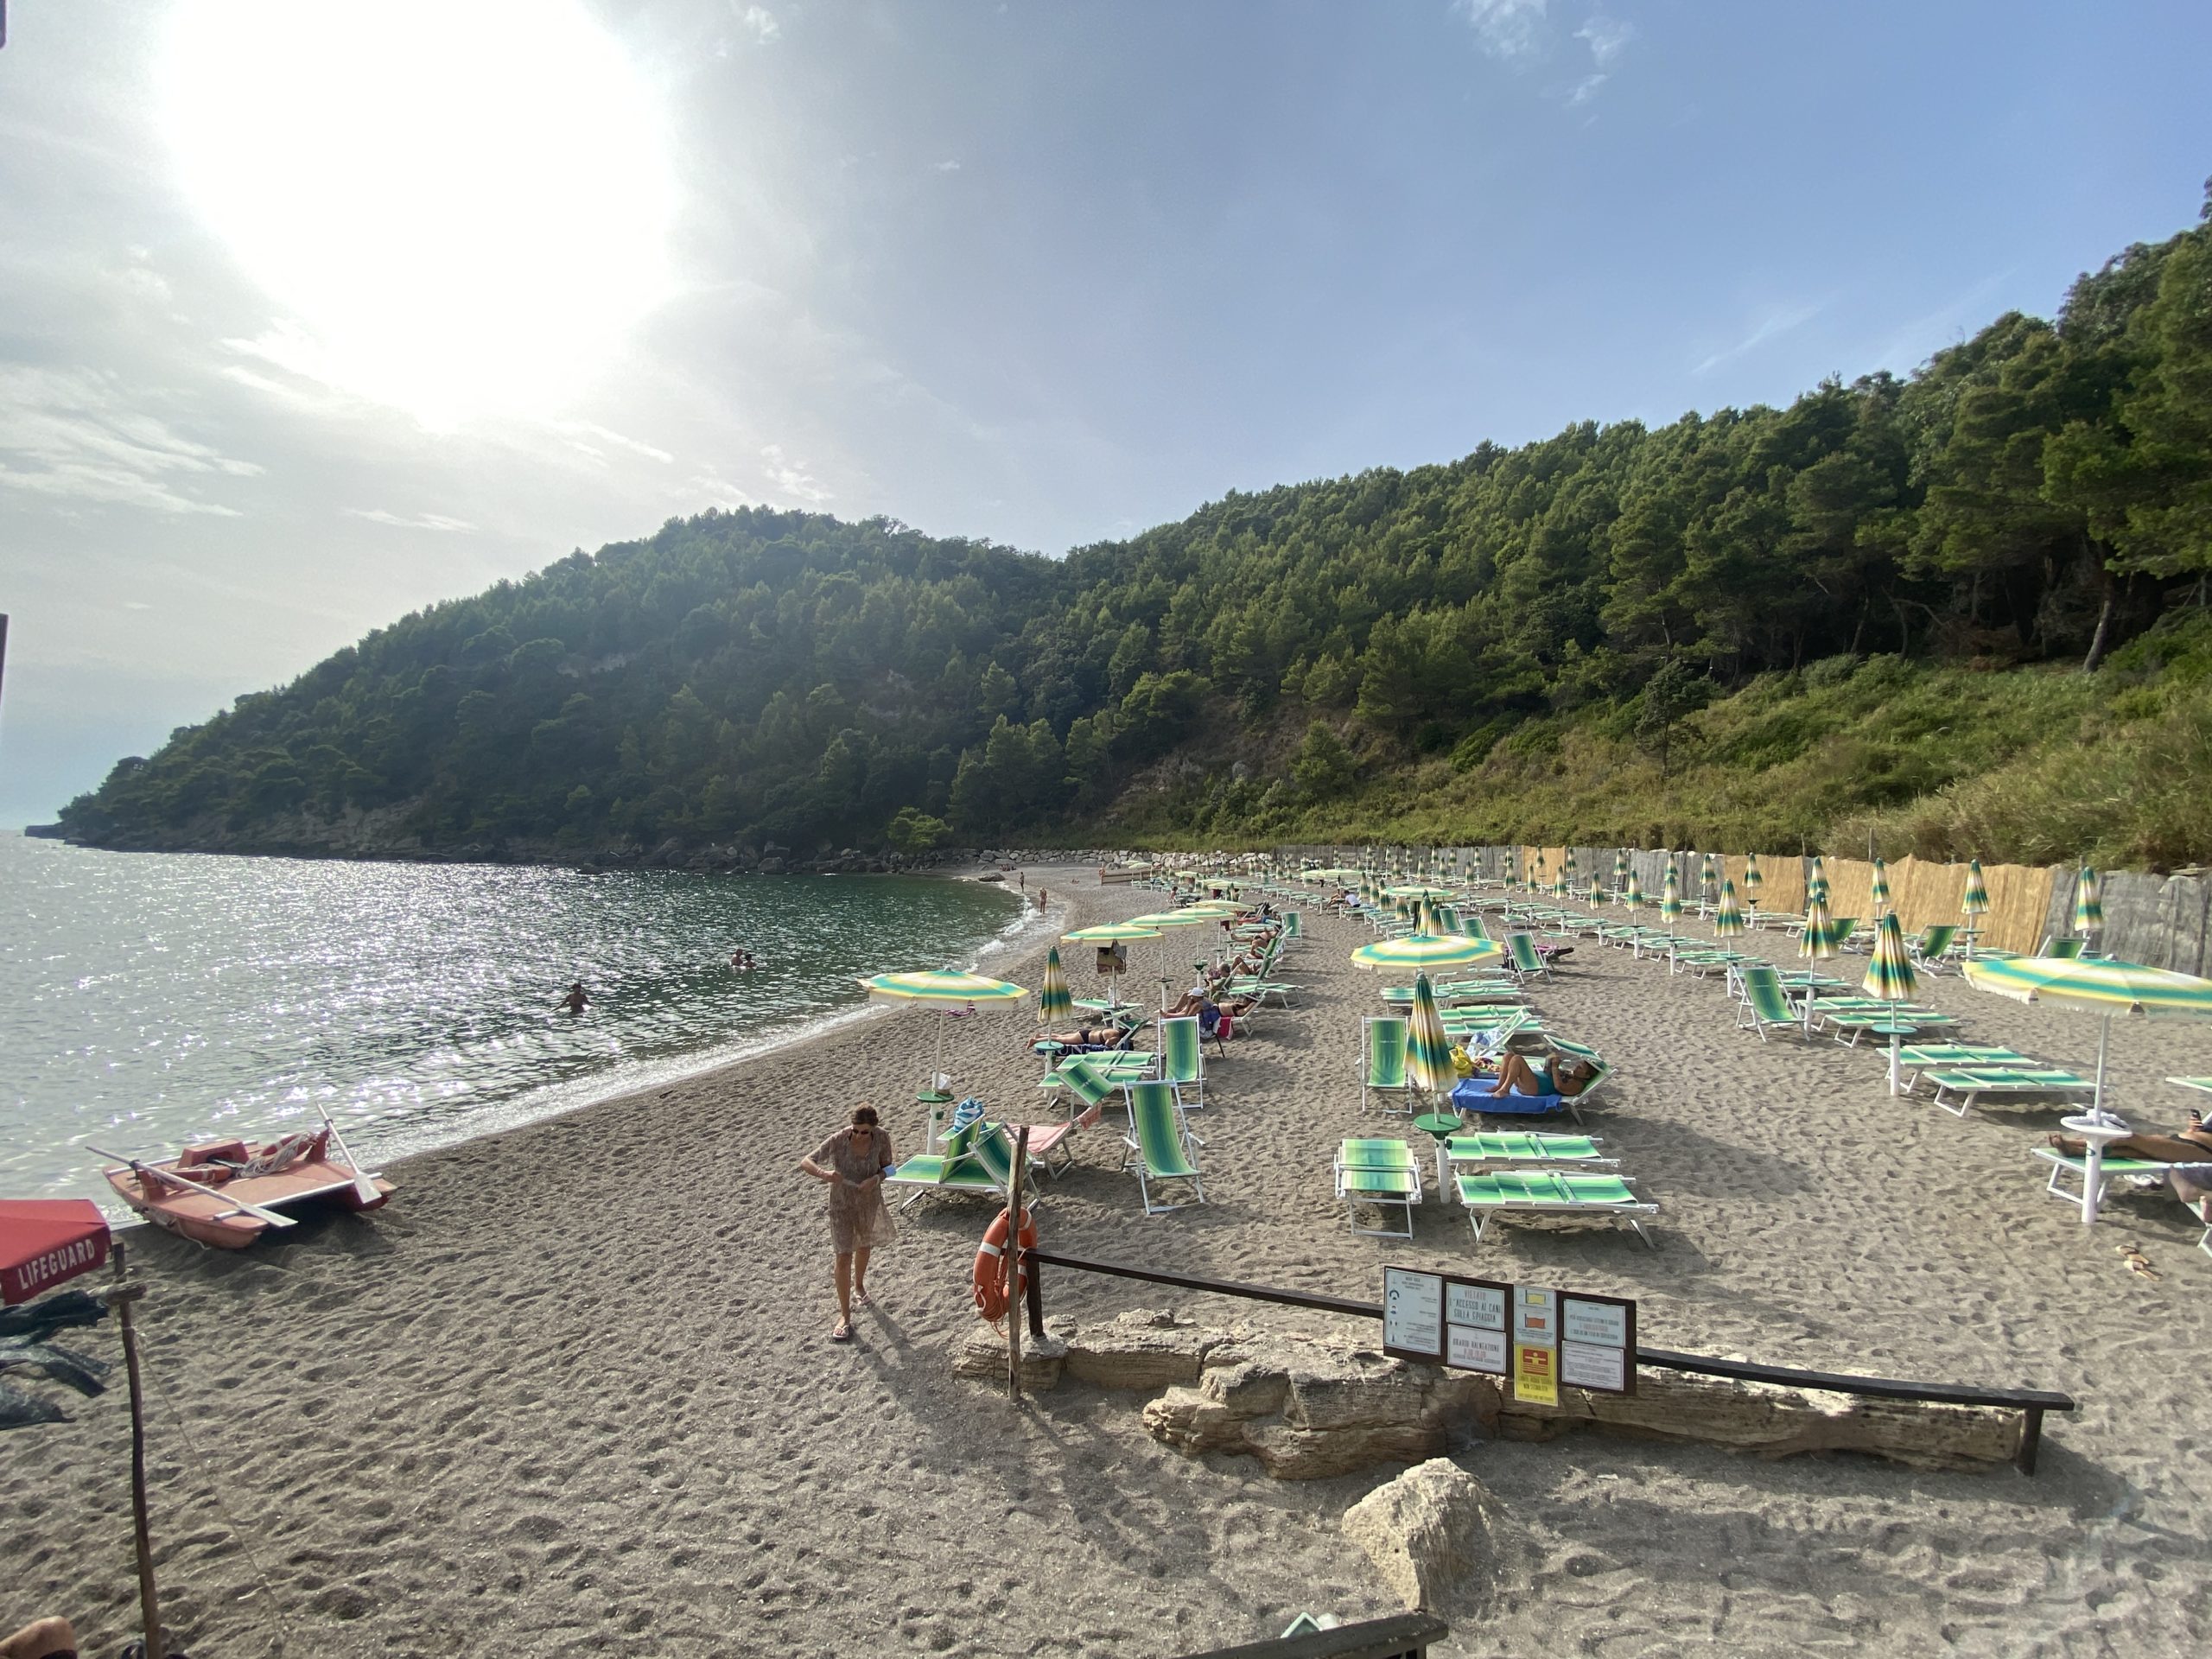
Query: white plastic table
{"type": "Point", "coordinates": [2099, 1130]}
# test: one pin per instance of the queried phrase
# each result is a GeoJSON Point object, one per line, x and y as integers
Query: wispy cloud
{"type": "Point", "coordinates": [760, 23]}
{"type": "Point", "coordinates": [82, 437]}
{"type": "Point", "coordinates": [944, 166]}
{"type": "Point", "coordinates": [1771, 327]}
{"type": "Point", "coordinates": [419, 521]}
{"type": "Point", "coordinates": [1608, 37]}
{"type": "Point", "coordinates": [792, 478]}
{"type": "Point", "coordinates": [577, 433]}
{"type": "Point", "coordinates": [1505, 29]}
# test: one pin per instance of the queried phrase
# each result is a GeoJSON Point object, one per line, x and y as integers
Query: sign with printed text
{"type": "Point", "coordinates": [1532, 1336]}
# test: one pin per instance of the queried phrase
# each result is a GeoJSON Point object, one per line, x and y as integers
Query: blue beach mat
{"type": "Point", "coordinates": [1474, 1094]}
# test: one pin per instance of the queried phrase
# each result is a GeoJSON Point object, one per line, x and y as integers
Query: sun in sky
{"type": "Point", "coordinates": [459, 207]}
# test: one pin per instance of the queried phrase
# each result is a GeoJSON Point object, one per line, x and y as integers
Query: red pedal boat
{"type": "Point", "coordinates": [227, 1194]}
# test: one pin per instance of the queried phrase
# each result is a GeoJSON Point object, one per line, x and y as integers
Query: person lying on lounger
{"type": "Point", "coordinates": [1516, 1076]}
{"type": "Point", "coordinates": [1087, 1039]}
{"type": "Point", "coordinates": [2191, 1148]}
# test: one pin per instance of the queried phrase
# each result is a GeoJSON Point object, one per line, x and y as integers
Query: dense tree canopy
{"type": "Point", "coordinates": [2041, 491]}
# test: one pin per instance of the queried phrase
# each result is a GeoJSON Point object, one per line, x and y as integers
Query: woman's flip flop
{"type": "Point", "coordinates": [843, 1332]}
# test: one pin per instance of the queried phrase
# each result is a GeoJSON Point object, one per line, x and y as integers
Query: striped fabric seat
{"type": "Point", "coordinates": [1488, 1148]}
{"type": "Point", "coordinates": [1604, 1196]}
{"type": "Point", "coordinates": [1159, 1146]}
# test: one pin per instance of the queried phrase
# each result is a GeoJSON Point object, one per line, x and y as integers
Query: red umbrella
{"type": "Point", "coordinates": [44, 1241]}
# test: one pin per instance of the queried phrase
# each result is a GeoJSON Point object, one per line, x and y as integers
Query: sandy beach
{"type": "Point", "coordinates": [572, 1393]}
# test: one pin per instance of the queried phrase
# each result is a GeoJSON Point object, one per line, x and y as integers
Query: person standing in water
{"type": "Point", "coordinates": [576, 1002]}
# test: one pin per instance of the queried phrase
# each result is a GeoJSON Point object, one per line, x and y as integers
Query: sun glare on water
{"type": "Point", "coordinates": [458, 205]}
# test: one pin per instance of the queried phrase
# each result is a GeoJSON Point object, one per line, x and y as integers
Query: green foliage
{"type": "Point", "coordinates": [1522, 642]}
{"type": "Point", "coordinates": [911, 832]}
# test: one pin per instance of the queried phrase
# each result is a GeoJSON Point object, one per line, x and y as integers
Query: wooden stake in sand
{"type": "Point", "coordinates": [120, 1295]}
{"type": "Point", "coordinates": [1014, 1266]}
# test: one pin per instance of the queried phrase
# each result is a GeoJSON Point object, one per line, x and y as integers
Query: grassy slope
{"type": "Point", "coordinates": [2029, 765]}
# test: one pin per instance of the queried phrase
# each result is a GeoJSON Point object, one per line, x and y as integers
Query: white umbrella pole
{"type": "Point", "coordinates": [2104, 1038]}
{"type": "Point", "coordinates": [1896, 1041]}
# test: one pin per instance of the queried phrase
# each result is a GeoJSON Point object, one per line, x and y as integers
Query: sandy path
{"type": "Point", "coordinates": [571, 1394]}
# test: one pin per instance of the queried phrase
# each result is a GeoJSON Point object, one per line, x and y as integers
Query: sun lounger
{"type": "Point", "coordinates": [1541, 1193]}
{"type": "Point", "coordinates": [1159, 1146]}
{"type": "Point", "coordinates": [1850, 1025]}
{"type": "Point", "coordinates": [1480, 1095]}
{"type": "Point", "coordinates": [1932, 948]}
{"type": "Point", "coordinates": [1525, 960]}
{"type": "Point", "coordinates": [1382, 1045]}
{"type": "Point", "coordinates": [2110, 1169]}
{"type": "Point", "coordinates": [1488, 1149]}
{"type": "Point", "coordinates": [1380, 1174]}
{"type": "Point", "coordinates": [1969, 1086]}
{"type": "Point", "coordinates": [978, 1159]}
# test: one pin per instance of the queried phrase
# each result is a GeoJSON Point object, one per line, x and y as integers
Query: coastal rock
{"type": "Point", "coordinates": [1429, 1533]}
{"type": "Point", "coordinates": [1141, 1350]}
{"type": "Point", "coordinates": [982, 1356]}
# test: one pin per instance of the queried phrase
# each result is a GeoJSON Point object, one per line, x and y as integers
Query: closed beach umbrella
{"type": "Point", "coordinates": [1632, 894]}
{"type": "Point", "coordinates": [1709, 878]}
{"type": "Point", "coordinates": [1890, 977]}
{"type": "Point", "coordinates": [1566, 864]}
{"type": "Point", "coordinates": [1817, 942]}
{"type": "Point", "coordinates": [1816, 880]}
{"type": "Point", "coordinates": [1055, 1003]}
{"type": "Point", "coordinates": [1620, 870]}
{"type": "Point", "coordinates": [1728, 920]}
{"type": "Point", "coordinates": [1976, 901]}
{"type": "Point", "coordinates": [2088, 906]}
{"type": "Point", "coordinates": [1877, 890]}
{"type": "Point", "coordinates": [1752, 882]}
{"type": "Point", "coordinates": [2109, 988]}
{"type": "Point", "coordinates": [1428, 1050]}
{"type": "Point", "coordinates": [1422, 950]}
{"type": "Point", "coordinates": [1670, 898]}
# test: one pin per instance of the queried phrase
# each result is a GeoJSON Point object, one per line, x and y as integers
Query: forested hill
{"type": "Point", "coordinates": [1840, 618]}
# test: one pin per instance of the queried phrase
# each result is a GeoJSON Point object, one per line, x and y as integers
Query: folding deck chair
{"type": "Point", "coordinates": [1931, 948]}
{"type": "Point", "coordinates": [1599, 1197]}
{"type": "Point", "coordinates": [1525, 960]}
{"type": "Point", "coordinates": [1765, 1007]}
{"type": "Point", "coordinates": [1159, 1146]}
{"type": "Point", "coordinates": [1383, 1048]}
{"type": "Point", "coordinates": [1183, 1061]}
{"type": "Point", "coordinates": [1378, 1174]}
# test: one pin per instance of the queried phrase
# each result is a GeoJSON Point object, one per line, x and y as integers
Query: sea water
{"type": "Point", "coordinates": [148, 1000]}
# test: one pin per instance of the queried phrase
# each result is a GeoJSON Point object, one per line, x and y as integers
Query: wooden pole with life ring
{"type": "Point", "coordinates": [1013, 1264]}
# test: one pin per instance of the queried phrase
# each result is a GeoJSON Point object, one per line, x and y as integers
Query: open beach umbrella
{"type": "Point", "coordinates": [1728, 920]}
{"type": "Point", "coordinates": [1428, 1050]}
{"type": "Point", "coordinates": [1417, 890]}
{"type": "Point", "coordinates": [1752, 882]}
{"type": "Point", "coordinates": [1878, 888]}
{"type": "Point", "coordinates": [1420, 950]}
{"type": "Point", "coordinates": [2089, 906]}
{"type": "Point", "coordinates": [1055, 1003]}
{"type": "Point", "coordinates": [1890, 977]}
{"type": "Point", "coordinates": [946, 989]}
{"type": "Point", "coordinates": [1120, 933]}
{"type": "Point", "coordinates": [2109, 989]}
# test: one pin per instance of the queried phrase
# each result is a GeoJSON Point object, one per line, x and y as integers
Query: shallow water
{"type": "Point", "coordinates": [148, 999]}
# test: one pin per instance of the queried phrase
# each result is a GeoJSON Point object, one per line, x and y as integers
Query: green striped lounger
{"type": "Point", "coordinates": [1488, 1149]}
{"type": "Point", "coordinates": [2110, 1170]}
{"type": "Point", "coordinates": [1380, 1174]}
{"type": "Point", "coordinates": [1604, 1196]}
{"type": "Point", "coordinates": [1968, 1086]}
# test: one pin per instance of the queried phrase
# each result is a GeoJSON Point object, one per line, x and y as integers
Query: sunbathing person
{"type": "Point", "coordinates": [1516, 1076]}
{"type": "Point", "coordinates": [2192, 1146]}
{"type": "Point", "coordinates": [1085, 1038]}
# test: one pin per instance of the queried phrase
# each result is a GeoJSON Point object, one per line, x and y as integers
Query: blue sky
{"type": "Point", "coordinates": [1044, 273]}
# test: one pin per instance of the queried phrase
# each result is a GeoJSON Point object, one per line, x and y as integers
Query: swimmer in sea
{"type": "Point", "coordinates": [576, 1002]}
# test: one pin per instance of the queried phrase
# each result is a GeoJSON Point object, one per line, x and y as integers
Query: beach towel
{"type": "Point", "coordinates": [964, 1114]}
{"type": "Point", "coordinates": [1480, 1095]}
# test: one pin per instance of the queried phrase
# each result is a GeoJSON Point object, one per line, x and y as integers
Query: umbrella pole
{"type": "Point", "coordinates": [120, 1296]}
{"type": "Point", "coordinates": [2104, 1038]}
{"type": "Point", "coordinates": [1895, 1041]}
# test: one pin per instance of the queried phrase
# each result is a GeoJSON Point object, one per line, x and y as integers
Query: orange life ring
{"type": "Point", "coordinates": [999, 1282]}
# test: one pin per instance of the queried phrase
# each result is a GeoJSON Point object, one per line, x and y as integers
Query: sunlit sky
{"type": "Point", "coordinates": [312, 313]}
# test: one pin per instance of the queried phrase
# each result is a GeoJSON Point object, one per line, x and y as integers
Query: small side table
{"type": "Point", "coordinates": [1443, 1126]}
{"type": "Point", "coordinates": [933, 1102]}
{"type": "Point", "coordinates": [2099, 1130]}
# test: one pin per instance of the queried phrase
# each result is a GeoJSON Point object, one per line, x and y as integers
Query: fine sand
{"type": "Point", "coordinates": [571, 1392]}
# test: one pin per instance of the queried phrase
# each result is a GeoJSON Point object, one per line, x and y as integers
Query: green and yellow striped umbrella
{"type": "Point", "coordinates": [1670, 897]}
{"type": "Point", "coordinates": [1728, 920]}
{"type": "Point", "coordinates": [1752, 882]}
{"type": "Point", "coordinates": [1818, 940]}
{"type": "Point", "coordinates": [1620, 870]}
{"type": "Point", "coordinates": [1632, 894]}
{"type": "Point", "coordinates": [1427, 951]}
{"type": "Point", "coordinates": [2088, 904]}
{"type": "Point", "coordinates": [1055, 1001]}
{"type": "Point", "coordinates": [1417, 890]}
{"type": "Point", "coordinates": [1112, 933]}
{"type": "Point", "coordinates": [1708, 877]}
{"type": "Point", "coordinates": [1428, 1049]}
{"type": "Point", "coordinates": [1890, 977]}
{"type": "Point", "coordinates": [1566, 867]}
{"type": "Point", "coordinates": [1877, 890]}
{"type": "Point", "coordinates": [1596, 893]}
{"type": "Point", "coordinates": [2107, 987]}
{"type": "Point", "coordinates": [944, 987]}
{"type": "Point", "coordinates": [1976, 900]}
{"type": "Point", "coordinates": [1188, 916]}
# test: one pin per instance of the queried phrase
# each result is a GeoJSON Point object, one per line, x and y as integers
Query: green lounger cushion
{"type": "Point", "coordinates": [1505, 1190]}
{"type": "Point", "coordinates": [1511, 1148]}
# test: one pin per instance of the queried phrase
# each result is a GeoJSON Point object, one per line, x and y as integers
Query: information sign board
{"type": "Point", "coordinates": [1533, 1336]}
